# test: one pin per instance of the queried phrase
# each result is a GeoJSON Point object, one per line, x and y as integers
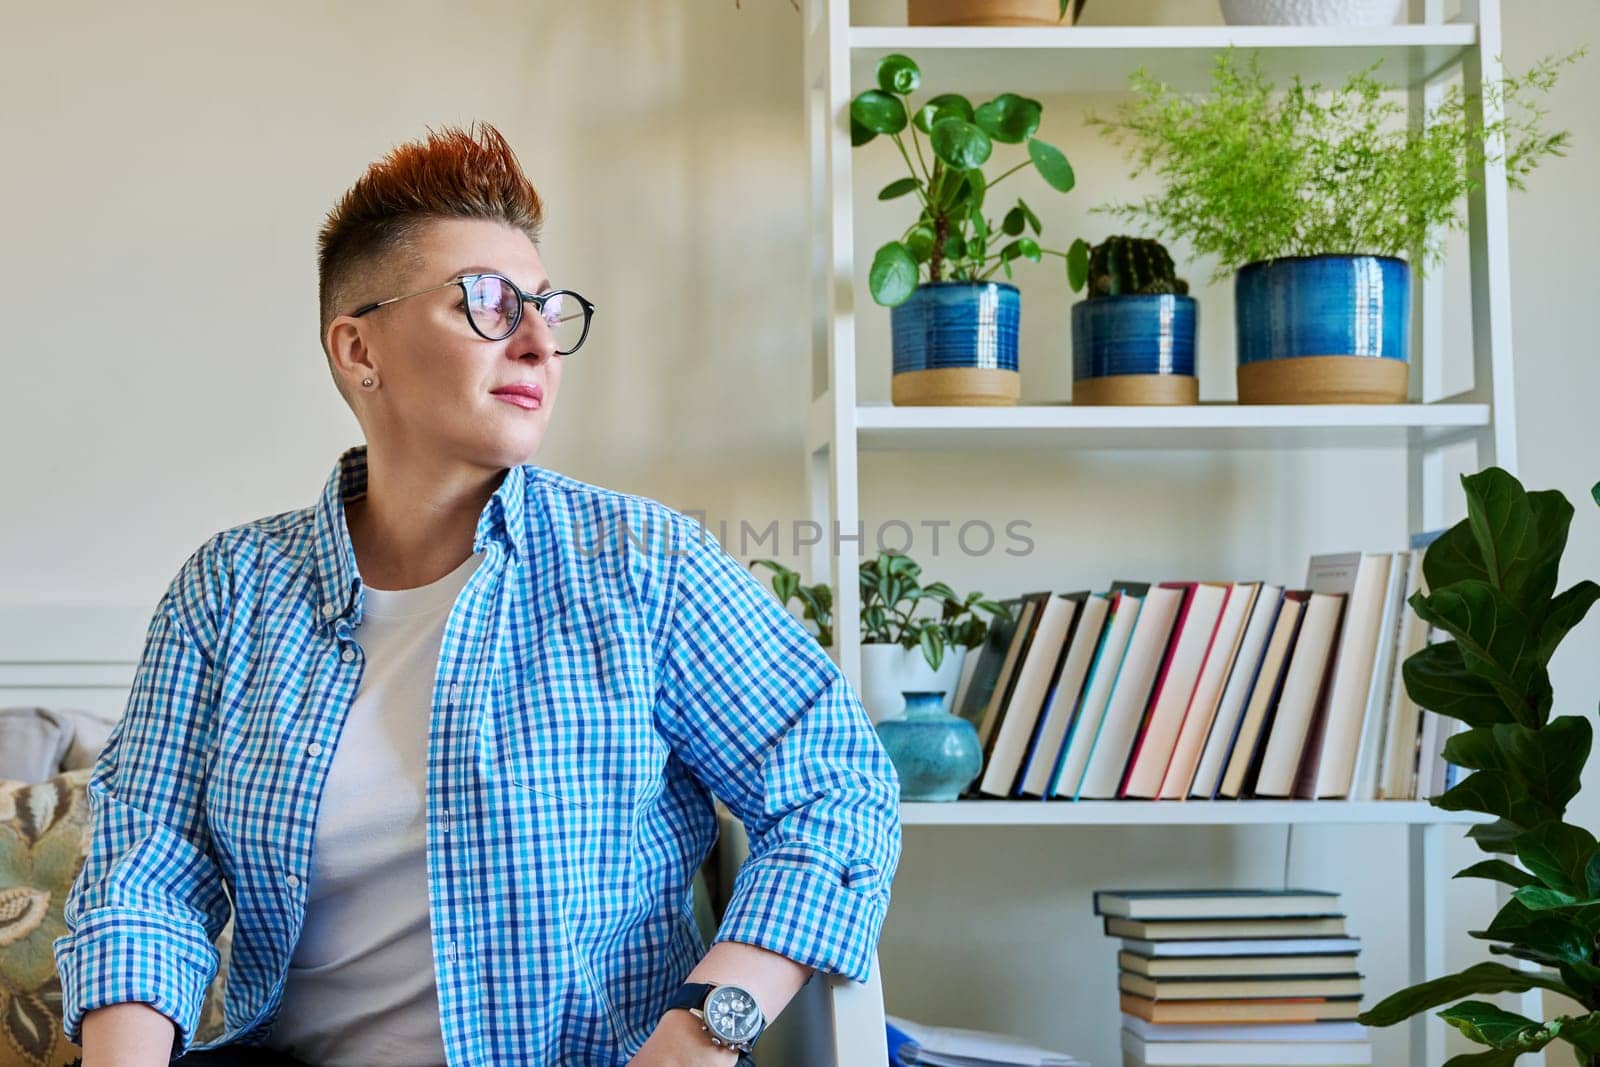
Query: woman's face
{"type": "Point", "coordinates": [436, 376]}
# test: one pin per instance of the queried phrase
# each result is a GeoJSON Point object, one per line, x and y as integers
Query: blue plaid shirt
{"type": "Point", "coordinates": [605, 673]}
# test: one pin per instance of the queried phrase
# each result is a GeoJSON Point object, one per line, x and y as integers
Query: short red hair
{"type": "Point", "coordinates": [455, 173]}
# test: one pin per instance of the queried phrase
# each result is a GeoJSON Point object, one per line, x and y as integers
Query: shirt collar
{"type": "Point", "coordinates": [503, 520]}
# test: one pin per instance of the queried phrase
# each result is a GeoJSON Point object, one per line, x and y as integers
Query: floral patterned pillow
{"type": "Point", "coordinates": [44, 832]}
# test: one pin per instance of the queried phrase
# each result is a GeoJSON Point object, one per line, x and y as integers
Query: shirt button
{"type": "Point", "coordinates": [450, 950]}
{"type": "Point", "coordinates": [327, 611]}
{"type": "Point", "coordinates": [348, 655]}
{"type": "Point", "coordinates": [314, 749]}
{"type": "Point", "coordinates": [292, 880]}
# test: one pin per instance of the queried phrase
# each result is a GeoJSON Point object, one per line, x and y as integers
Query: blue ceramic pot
{"type": "Point", "coordinates": [1133, 334]}
{"type": "Point", "coordinates": [957, 325]}
{"type": "Point", "coordinates": [1323, 306]}
{"type": "Point", "coordinates": [935, 753]}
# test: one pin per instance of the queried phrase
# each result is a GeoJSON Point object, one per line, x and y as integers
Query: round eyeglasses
{"type": "Point", "coordinates": [493, 304]}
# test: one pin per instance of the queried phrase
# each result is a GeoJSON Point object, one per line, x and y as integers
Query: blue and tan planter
{"type": "Point", "coordinates": [1323, 330]}
{"type": "Point", "coordinates": [956, 343]}
{"type": "Point", "coordinates": [1134, 349]}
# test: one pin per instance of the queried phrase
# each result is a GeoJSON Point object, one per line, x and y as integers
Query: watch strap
{"type": "Point", "coordinates": [691, 995]}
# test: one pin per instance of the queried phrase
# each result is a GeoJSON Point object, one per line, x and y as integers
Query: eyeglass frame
{"type": "Point", "coordinates": [537, 299]}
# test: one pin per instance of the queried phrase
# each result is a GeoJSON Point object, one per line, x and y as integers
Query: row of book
{"type": "Point", "coordinates": [1210, 690]}
{"type": "Point", "coordinates": [1236, 977]}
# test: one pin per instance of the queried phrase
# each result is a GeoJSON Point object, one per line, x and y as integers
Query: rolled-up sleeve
{"type": "Point", "coordinates": [149, 901]}
{"type": "Point", "coordinates": [770, 725]}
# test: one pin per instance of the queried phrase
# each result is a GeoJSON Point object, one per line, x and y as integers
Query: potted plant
{"type": "Point", "coordinates": [1492, 582]}
{"type": "Point", "coordinates": [901, 650]}
{"type": "Point", "coordinates": [1312, 12]}
{"type": "Point", "coordinates": [992, 12]}
{"type": "Point", "coordinates": [1133, 336]}
{"type": "Point", "coordinates": [1315, 203]}
{"type": "Point", "coordinates": [955, 334]}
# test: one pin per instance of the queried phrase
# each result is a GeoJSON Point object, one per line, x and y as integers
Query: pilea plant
{"type": "Point", "coordinates": [890, 598]}
{"type": "Point", "coordinates": [1127, 266]}
{"type": "Point", "coordinates": [1492, 588]}
{"type": "Point", "coordinates": [951, 237]}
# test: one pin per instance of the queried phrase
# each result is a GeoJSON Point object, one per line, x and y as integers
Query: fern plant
{"type": "Point", "coordinates": [1252, 175]}
{"type": "Point", "coordinates": [1492, 582]}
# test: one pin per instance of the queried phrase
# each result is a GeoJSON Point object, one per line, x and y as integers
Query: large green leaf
{"type": "Point", "coordinates": [1498, 871]}
{"type": "Point", "coordinates": [1498, 836]}
{"type": "Point", "coordinates": [1078, 264]}
{"type": "Point", "coordinates": [1494, 1057]}
{"type": "Point", "coordinates": [1581, 976]}
{"type": "Point", "coordinates": [1009, 118]}
{"type": "Point", "coordinates": [1454, 557]}
{"type": "Point", "coordinates": [1052, 164]}
{"type": "Point", "coordinates": [1481, 978]}
{"type": "Point", "coordinates": [1490, 1025]}
{"type": "Point", "coordinates": [1583, 1031]}
{"type": "Point", "coordinates": [879, 111]}
{"type": "Point", "coordinates": [1548, 763]}
{"type": "Point", "coordinates": [1552, 935]}
{"type": "Point", "coordinates": [1437, 679]}
{"type": "Point", "coordinates": [898, 74]}
{"type": "Point", "coordinates": [951, 105]}
{"type": "Point", "coordinates": [893, 276]}
{"type": "Point", "coordinates": [1494, 640]}
{"type": "Point", "coordinates": [959, 144]}
{"type": "Point", "coordinates": [1563, 615]}
{"type": "Point", "coordinates": [1559, 854]}
{"type": "Point", "coordinates": [1520, 535]}
{"type": "Point", "coordinates": [859, 134]}
{"type": "Point", "coordinates": [899, 187]}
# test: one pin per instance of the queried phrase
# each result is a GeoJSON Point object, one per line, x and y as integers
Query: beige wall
{"type": "Point", "coordinates": [167, 165]}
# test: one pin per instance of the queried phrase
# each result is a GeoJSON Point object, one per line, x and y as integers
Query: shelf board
{"type": "Point", "coordinates": [1181, 813]}
{"type": "Point", "coordinates": [887, 427]}
{"type": "Point", "coordinates": [1051, 59]}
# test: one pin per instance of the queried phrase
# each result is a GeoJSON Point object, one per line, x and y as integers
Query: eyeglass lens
{"type": "Point", "coordinates": [494, 306]}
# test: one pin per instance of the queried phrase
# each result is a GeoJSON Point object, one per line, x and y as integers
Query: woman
{"type": "Point", "coordinates": [446, 745]}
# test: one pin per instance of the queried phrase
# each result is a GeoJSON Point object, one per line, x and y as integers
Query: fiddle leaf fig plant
{"type": "Point", "coordinates": [890, 597]}
{"type": "Point", "coordinates": [1492, 588]}
{"type": "Point", "coordinates": [951, 237]}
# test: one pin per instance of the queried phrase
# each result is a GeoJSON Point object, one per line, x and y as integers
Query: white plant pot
{"type": "Point", "coordinates": [887, 671]}
{"type": "Point", "coordinates": [1312, 12]}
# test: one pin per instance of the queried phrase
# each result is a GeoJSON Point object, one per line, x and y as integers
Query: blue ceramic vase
{"type": "Point", "coordinates": [956, 343]}
{"type": "Point", "coordinates": [1134, 349]}
{"type": "Point", "coordinates": [1323, 329]}
{"type": "Point", "coordinates": [935, 753]}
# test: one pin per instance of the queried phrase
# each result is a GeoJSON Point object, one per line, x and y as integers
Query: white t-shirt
{"type": "Point", "coordinates": [361, 987]}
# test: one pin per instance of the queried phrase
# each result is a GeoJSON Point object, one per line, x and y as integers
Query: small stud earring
{"type": "Point", "coordinates": [367, 382]}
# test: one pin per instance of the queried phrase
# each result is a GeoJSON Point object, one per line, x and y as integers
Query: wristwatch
{"type": "Point", "coordinates": [727, 1012]}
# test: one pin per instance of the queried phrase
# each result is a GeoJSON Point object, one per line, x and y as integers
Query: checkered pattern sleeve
{"type": "Point", "coordinates": [149, 900]}
{"type": "Point", "coordinates": [768, 723]}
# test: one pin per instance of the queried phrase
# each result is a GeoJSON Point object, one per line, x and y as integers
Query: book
{"type": "Point", "coordinates": [1250, 946]}
{"type": "Point", "coordinates": [1145, 658]}
{"type": "Point", "coordinates": [1400, 744]}
{"type": "Point", "coordinates": [1085, 732]}
{"type": "Point", "coordinates": [1214, 903]}
{"type": "Point", "coordinates": [1240, 988]}
{"type": "Point", "coordinates": [1276, 1010]}
{"type": "Point", "coordinates": [1065, 699]}
{"type": "Point", "coordinates": [1247, 744]}
{"type": "Point", "coordinates": [1138, 1052]}
{"type": "Point", "coordinates": [1192, 636]}
{"type": "Point", "coordinates": [1296, 1032]}
{"type": "Point", "coordinates": [985, 673]}
{"type": "Point", "coordinates": [1241, 679]}
{"type": "Point", "coordinates": [1242, 966]}
{"type": "Point", "coordinates": [1016, 651]}
{"type": "Point", "coordinates": [953, 1046]}
{"type": "Point", "coordinates": [1375, 720]}
{"type": "Point", "coordinates": [1056, 616]}
{"type": "Point", "coordinates": [1334, 744]}
{"type": "Point", "coordinates": [1208, 690]}
{"type": "Point", "coordinates": [1224, 929]}
{"type": "Point", "coordinates": [1303, 686]}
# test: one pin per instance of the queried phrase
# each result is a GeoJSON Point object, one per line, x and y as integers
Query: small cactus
{"type": "Point", "coordinates": [1122, 266]}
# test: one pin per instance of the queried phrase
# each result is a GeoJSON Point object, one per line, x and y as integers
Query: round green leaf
{"type": "Point", "coordinates": [951, 105]}
{"type": "Point", "coordinates": [898, 74]}
{"type": "Point", "coordinates": [899, 187]}
{"type": "Point", "coordinates": [959, 143]}
{"type": "Point", "coordinates": [893, 277]}
{"type": "Point", "coordinates": [879, 112]}
{"type": "Point", "coordinates": [859, 134]}
{"type": "Point", "coordinates": [1013, 223]}
{"type": "Point", "coordinates": [1078, 264]}
{"type": "Point", "coordinates": [1052, 164]}
{"type": "Point", "coordinates": [954, 245]}
{"type": "Point", "coordinates": [920, 243]}
{"type": "Point", "coordinates": [1009, 118]}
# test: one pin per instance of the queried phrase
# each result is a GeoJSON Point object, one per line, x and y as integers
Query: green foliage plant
{"type": "Point", "coordinates": [1251, 174]}
{"type": "Point", "coordinates": [891, 594]}
{"type": "Point", "coordinates": [951, 238]}
{"type": "Point", "coordinates": [1492, 588]}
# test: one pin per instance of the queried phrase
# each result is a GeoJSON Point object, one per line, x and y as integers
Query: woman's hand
{"type": "Point", "coordinates": [679, 1041]}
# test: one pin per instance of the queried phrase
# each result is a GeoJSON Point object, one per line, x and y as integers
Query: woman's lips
{"type": "Point", "coordinates": [526, 402]}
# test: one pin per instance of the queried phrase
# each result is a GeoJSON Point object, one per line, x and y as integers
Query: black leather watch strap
{"type": "Point", "coordinates": [691, 995]}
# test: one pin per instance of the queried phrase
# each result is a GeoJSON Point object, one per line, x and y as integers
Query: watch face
{"type": "Point", "coordinates": [731, 1014]}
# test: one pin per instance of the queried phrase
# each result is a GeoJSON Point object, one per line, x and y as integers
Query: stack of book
{"type": "Point", "coordinates": [1234, 977]}
{"type": "Point", "coordinates": [949, 1046]}
{"type": "Point", "coordinates": [1210, 690]}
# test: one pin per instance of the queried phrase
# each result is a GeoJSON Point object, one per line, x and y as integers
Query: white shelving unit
{"type": "Point", "coordinates": [839, 62]}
